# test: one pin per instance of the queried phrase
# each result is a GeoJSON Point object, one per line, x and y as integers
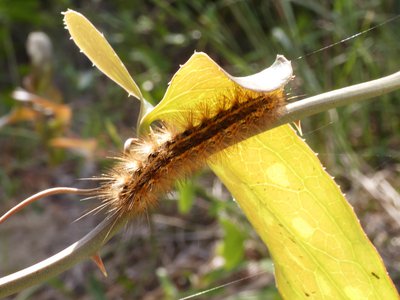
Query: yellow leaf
{"type": "Point", "coordinates": [93, 44]}
{"type": "Point", "coordinates": [317, 244]}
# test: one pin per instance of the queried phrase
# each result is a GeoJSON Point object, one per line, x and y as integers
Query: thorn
{"type": "Point", "coordinates": [99, 262]}
{"type": "Point", "coordinates": [297, 124]}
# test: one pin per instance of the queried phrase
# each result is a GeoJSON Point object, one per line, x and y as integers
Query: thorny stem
{"type": "Point", "coordinates": [95, 239]}
{"type": "Point", "coordinates": [42, 194]}
{"type": "Point", "coordinates": [63, 260]}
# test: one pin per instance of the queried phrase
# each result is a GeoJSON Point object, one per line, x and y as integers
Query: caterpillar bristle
{"type": "Point", "coordinates": [150, 165]}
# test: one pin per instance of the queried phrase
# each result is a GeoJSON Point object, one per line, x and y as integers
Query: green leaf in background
{"type": "Point", "coordinates": [186, 192]}
{"type": "Point", "coordinates": [96, 289]}
{"type": "Point", "coordinates": [167, 285]}
{"type": "Point", "coordinates": [232, 247]}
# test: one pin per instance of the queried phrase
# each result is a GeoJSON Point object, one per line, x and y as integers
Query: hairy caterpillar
{"type": "Point", "coordinates": [151, 165]}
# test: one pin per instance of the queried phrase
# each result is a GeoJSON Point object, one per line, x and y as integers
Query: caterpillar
{"type": "Point", "coordinates": [151, 165]}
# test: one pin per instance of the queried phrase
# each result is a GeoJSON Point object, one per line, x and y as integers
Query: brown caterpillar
{"type": "Point", "coordinates": [151, 165]}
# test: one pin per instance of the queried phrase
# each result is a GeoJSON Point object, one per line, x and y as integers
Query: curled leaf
{"type": "Point", "coordinates": [200, 80]}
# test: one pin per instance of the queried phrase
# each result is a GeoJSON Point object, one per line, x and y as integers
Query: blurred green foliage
{"type": "Point", "coordinates": [153, 38]}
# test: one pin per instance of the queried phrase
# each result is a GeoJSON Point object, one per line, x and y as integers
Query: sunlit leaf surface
{"type": "Point", "coordinates": [315, 239]}
{"type": "Point", "coordinates": [93, 44]}
{"type": "Point", "coordinates": [316, 242]}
